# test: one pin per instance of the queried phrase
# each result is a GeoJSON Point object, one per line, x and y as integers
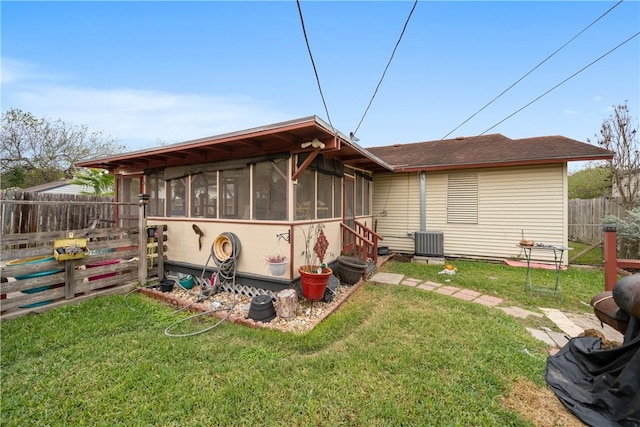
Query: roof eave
{"type": "Point", "coordinates": [451, 166]}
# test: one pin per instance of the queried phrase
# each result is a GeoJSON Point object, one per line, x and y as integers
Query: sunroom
{"type": "Point", "coordinates": [267, 187]}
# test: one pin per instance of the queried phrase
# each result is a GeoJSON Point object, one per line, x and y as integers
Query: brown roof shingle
{"type": "Point", "coordinates": [493, 150]}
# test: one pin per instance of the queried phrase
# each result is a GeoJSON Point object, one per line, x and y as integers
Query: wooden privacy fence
{"type": "Point", "coordinates": [27, 212]}
{"type": "Point", "coordinates": [585, 217]}
{"type": "Point", "coordinates": [33, 278]}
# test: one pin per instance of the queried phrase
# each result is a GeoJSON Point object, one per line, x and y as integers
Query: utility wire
{"type": "Point", "coordinates": [561, 83]}
{"type": "Point", "coordinates": [532, 70]}
{"type": "Point", "coordinates": [385, 69]}
{"type": "Point", "coordinates": [315, 71]}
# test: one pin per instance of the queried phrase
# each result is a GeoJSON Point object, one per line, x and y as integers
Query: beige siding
{"type": "Point", "coordinates": [396, 209]}
{"type": "Point", "coordinates": [257, 240]}
{"type": "Point", "coordinates": [511, 202]}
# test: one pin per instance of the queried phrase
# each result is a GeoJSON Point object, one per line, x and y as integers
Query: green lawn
{"type": "Point", "coordinates": [578, 284]}
{"type": "Point", "coordinates": [593, 257]}
{"type": "Point", "coordinates": [390, 355]}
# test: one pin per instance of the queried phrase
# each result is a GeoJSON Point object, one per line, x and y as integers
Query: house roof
{"type": "Point", "coordinates": [260, 141]}
{"type": "Point", "coordinates": [63, 186]}
{"type": "Point", "coordinates": [493, 150]}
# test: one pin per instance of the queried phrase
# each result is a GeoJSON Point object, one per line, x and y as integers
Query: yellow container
{"type": "Point", "coordinates": [73, 248]}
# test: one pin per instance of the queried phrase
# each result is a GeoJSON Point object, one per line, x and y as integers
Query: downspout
{"type": "Point", "coordinates": [423, 200]}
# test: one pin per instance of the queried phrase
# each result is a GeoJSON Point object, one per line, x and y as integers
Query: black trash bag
{"type": "Point", "coordinates": [600, 387]}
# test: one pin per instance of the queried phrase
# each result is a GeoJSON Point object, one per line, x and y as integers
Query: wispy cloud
{"type": "Point", "coordinates": [136, 117]}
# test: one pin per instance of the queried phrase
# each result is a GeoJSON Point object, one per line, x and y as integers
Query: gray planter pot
{"type": "Point", "coordinates": [350, 269]}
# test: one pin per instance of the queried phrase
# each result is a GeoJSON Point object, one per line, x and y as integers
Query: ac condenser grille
{"type": "Point", "coordinates": [429, 243]}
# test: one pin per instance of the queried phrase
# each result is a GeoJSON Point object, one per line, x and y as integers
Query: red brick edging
{"type": "Point", "coordinates": [174, 300]}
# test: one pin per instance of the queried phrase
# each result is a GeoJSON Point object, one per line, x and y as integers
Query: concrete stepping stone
{"type": "Point", "coordinates": [542, 336]}
{"type": "Point", "coordinates": [562, 322]}
{"type": "Point", "coordinates": [410, 282]}
{"type": "Point", "coordinates": [447, 290]}
{"type": "Point", "coordinates": [428, 286]}
{"type": "Point", "coordinates": [559, 338]}
{"type": "Point", "coordinates": [519, 312]}
{"type": "Point", "coordinates": [388, 278]}
{"type": "Point", "coordinates": [467, 294]}
{"type": "Point", "coordinates": [488, 300]}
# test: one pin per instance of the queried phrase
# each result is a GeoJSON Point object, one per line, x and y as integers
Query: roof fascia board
{"type": "Point", "coordinates": [207, 142]}
{"type": "Point", "coordinates": [401, 169]}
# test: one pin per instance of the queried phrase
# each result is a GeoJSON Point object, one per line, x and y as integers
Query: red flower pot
{"type": "Point", "coordinates": [314, 284]}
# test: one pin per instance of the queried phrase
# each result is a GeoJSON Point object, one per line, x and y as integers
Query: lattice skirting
{"type": "Point", "coordinates": [227, 286]}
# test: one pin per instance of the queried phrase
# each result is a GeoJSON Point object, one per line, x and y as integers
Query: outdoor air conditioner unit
{"type": "Point", "coordinates": [429, 243]}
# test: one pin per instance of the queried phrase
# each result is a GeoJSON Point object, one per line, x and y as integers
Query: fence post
{"type": "Point", "coordinates": [143, 200]}
{"type": "Point", "coordinates": [69, 287]}
{"type": "Point", "coordinates": [610, 250]}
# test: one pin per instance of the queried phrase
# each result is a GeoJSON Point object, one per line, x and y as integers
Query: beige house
{"type": "Point", "coordinates": [268, 185]}
{"type": "Point", "coordinates": [481, 195]}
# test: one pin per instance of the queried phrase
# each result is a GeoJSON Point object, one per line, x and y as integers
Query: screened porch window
{"type": "Point", "coordinates": [204, 195]}
{"type": "Point", "coordinates": [155, 188]}
{"type": "Point", "coordinates": [306, 195]}
{"type": "Point", "coordinates": [235, 193]}
{"type": "Point", "coordinates": [270, 184]}
{"type": "Point", "coordinates": [325, 195]}
{"type": "Point", "coordinates": [337, 197]}
{"type": "Point", "coordinates": [128, 188]}
{"type": "Point", "coordinates": [363, 188]}
{"type": "Point", "coordinates": [178, 197]}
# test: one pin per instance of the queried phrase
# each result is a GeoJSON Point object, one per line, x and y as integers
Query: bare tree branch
{"type": "Point", "coordinates": [619, 135]}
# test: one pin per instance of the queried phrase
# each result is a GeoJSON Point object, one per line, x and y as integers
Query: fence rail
{"type": "Point", "coordinates": [34, 280]}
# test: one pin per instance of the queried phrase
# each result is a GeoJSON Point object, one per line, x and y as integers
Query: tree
{"type": "Point", "coordinates": [590, 183]}
{"type": "Point", "coordinates": [628, 233]}
{"type": "Point", "coordinates": [44, 150]}
{"type": "Point", "coordinates": [619, 135]}
{"type": "Point", "coordinates": [102, 182]}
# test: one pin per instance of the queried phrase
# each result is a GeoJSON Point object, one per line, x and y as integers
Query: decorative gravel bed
{"type": "Point", "coordinates": [308, 314]}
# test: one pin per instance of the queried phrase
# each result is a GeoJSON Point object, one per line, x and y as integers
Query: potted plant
{"type": "Point", "coordinates": [314, 273]}
{"type": "Point", "coordinates": [277, 263]}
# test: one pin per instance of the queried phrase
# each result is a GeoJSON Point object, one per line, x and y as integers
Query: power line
{"type": "Point", "coordinates": [561, 83]}
{"type": "Point", "coordinates": [385, 69]}
{"type": "Point", "coordinates": [315, 71]}
{"type": "Point", "coordinates": [532, 70]}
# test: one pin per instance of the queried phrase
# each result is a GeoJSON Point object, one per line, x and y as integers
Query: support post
{"type": "Point", "coordinates": [143, 200]}
{"type": "Point", "coordinates": [610, 250]}
{"type": "Point", "coordinates": [161, 251]}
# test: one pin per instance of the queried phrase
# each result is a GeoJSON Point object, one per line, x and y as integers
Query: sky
{"type": "Point", "coordinates": [155, 72]}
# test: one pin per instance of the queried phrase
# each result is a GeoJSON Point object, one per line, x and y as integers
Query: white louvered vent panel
{"type": "Point", "coordinates": [429, 243]}
{"type": "Point", "coordinates": [462, 198]}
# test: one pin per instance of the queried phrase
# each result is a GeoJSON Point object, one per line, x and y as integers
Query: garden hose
{"type": "Point", "coordinates": [224, 250]}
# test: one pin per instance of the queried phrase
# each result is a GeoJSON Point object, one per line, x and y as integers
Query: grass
{"type": "Point", "coordinates": [593, 257]}
{"type": "Point", "coordinates": [578, 285]}
{"type": "Point", "coordinates": [391, 355]}
{"type": "Point", "coordinates": [107, 362]}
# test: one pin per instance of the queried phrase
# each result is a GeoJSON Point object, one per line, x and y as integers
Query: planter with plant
{"type": "Point", "coordinates": [277, 263]}
{"type": "Point", "coordinates": [314, 273]}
